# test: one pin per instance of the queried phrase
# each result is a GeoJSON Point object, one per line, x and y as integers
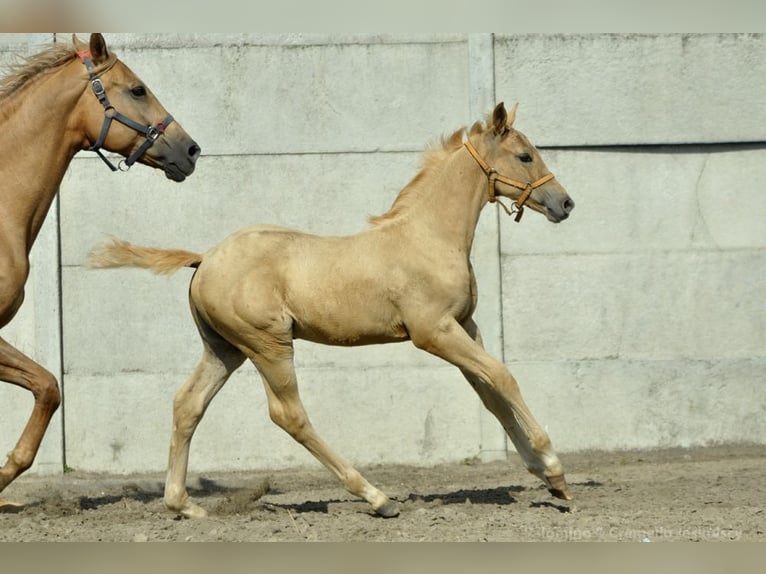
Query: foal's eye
{"type": "Point", "coordinates": [138, 91]}
{"type": "Point", "coordinates": [525, 157]}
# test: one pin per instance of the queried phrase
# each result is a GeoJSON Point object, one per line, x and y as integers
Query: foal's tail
{"type": "Point", "coordinates": [119, 253]}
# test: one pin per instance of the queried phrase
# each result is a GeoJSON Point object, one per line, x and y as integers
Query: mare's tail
{"type": "Point", "coordinates": [119, 253]}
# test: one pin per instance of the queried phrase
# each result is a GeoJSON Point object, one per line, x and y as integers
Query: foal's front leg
{"type": "Point", "coordinates": [498, 390]}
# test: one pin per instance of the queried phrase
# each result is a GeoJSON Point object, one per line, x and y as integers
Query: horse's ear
{"type": "Point", "coordinates": [98, 49]}
{"type": "Point", "coordinates": [499, 119]}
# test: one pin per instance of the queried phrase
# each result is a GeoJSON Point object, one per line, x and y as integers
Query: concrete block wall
{"type": "Point", "coordinates": [637, 323]}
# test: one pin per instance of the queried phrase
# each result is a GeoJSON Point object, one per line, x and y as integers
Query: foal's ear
{"type": "Point", "coordinates": [499, 119]}
{"type": "Point", "coordinates": [502, 120]}
{"type": "Point", "coordinates": [98, 48]}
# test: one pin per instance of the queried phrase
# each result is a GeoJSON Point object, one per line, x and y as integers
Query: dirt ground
{"type": "Point", "coordinates": [711, 494]}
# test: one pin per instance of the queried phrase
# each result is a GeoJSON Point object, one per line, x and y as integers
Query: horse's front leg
{"type": "Point", "coordinates": [18, 369]}
{"type": "Point", "coordinates": [499, 391]}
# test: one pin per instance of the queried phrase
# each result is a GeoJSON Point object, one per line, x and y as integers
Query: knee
{"type": "Point", "coordinates": [20, 460]}
{"type": "Point", "coordinates": [47, 393]}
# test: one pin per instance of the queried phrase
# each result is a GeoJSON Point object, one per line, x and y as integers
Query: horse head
{"type": "Point", "coordinates": [515, 169]}
{"type": "Point", "coordinates": [122, 115]}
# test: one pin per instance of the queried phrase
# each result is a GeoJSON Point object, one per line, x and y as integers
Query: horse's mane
{"type": "Point", "coordinates": [433, 157]}
{"type": "Point", "coordinates": [20, 73]}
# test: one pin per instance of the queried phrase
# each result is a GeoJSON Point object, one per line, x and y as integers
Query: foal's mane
{"type": "Point", "coordinates": [20, 73]}
{"type": "Point", "coordinates": [433, 157]}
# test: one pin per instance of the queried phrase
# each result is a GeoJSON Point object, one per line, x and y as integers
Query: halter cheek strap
{"type": "Point", "coordinates": [493, 177]}
{"type": "Point", "coordinates": [150, 132]}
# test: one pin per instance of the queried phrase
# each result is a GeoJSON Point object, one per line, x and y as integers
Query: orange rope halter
{"type": "Point", "coordinates": [494, 177]}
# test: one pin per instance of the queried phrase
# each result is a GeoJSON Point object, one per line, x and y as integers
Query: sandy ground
{"type": "Point", "coordinates": [712, 494]}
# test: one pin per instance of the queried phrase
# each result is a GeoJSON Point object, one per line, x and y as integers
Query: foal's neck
{"type": "Point", "coordinates": [38, 139]}
{"type": "Point", "coordinates": [451, 201]}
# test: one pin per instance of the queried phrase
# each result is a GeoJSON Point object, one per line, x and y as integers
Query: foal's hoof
{"type": "Point", "coordinates": [189, 510]}
{"type": "Point", "coordinates": [194, 511]}
{"type": "Point", "coordinates": [8, 507]}
{"type": "Point", "coordinates": [388, 510]}
{"type": "Point", "coordinates": [558, 487]}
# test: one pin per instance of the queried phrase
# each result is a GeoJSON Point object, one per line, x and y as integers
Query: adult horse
{"type": "Point", "coordinates": [56, 103]}
{"type": "Point", "coordinates": [407, 276]}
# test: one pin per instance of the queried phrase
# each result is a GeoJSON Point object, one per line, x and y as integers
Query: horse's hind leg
{"type": "Point", "coordinates": [18, 369]}
{"type": "Point", "coordinates": [498, 390]}
{"type": "Point", "coordinates": [286, 410]}
{"type": "Point", "coordinates": [219, 360]}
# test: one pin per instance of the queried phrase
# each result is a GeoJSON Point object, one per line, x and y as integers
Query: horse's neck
{"type": "Point", "coordinates": [37, 143]}
{"type": "Point", "coordinates": [450, 202]}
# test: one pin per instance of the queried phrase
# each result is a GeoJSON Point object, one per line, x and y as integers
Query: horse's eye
{"type": "Point", "coordinates": [138, 91]}
{"type": "Point", "coordinates": [525, 157]}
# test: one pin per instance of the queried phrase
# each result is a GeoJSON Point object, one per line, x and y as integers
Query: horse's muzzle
{"type": "Point", "coordinates": [557, 211]}
{"type": "Point", "coordinates": [178, 166]}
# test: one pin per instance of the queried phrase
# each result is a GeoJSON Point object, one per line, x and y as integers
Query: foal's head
{"type": "Point", "coordinates": [127, 97]}
{"type": "Point", "coordinates": [513, 157]}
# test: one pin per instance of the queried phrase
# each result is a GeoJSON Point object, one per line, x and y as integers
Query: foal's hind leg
{"type": "Point", "coordinates": [18, 369]}
{"type": "Point", "coordinates": [286, 410]}
{"type": "Point", "coordinates": [219, 360]}
{"type": "Point", "coordinates": [500, 393]}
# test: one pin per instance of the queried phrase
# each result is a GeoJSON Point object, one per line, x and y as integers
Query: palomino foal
{"type": "Point", "coordinates": [61, 101]}
{"type": "Point", "coordinates": [408, 276]}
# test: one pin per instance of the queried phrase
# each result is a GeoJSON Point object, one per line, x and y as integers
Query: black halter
{"type": "Point", "coordinates": [150, 132]}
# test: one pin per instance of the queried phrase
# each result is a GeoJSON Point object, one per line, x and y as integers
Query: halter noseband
{"type": "Point", "coordinates": [494, 177]}
{"type": "Point", "coordinates": [110, 113]}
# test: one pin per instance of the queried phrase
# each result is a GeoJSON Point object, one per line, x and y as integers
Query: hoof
{"type": "Point", "coordinates": [194, 511]}
{"type": "Point", "coordinates": [388, 510]}
{"type": "Point", "coordinates": [558, 487]}
{"type": "Point", "coordinates": [189, 510]}
{"type": "Point", "coordinates": [8, 507]}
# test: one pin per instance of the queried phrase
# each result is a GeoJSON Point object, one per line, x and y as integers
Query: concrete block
{"type": "Point", "coordinates": [659, 306]}
{"type": "Point", "coordinates": [237, 97]}
{"type": "Point", "coordinates": [617, 89]}
{"type": "Point", "coordinates": [643, 404]}
{"type": "Point", "coordinates": [642, 201]}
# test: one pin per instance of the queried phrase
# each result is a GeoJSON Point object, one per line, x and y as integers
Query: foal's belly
{"type": "Point", "coordinates": [347, 329]}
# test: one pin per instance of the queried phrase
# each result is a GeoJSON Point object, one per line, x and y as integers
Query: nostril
{"type": "Point", "coordinates": [568, 205]}
{"type": "Point", "coordinates": [194, 150]}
